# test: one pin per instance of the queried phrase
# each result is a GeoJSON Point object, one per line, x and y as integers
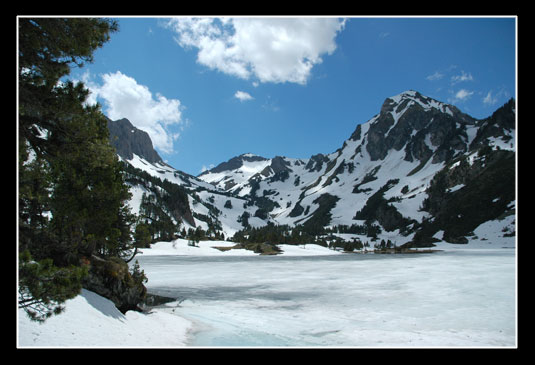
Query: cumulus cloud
{"type": "Point", "coordinates": [124, 97]}
{"type": "Point", "coordinates": [243, 96]}
{"type": "Point", "coordinates": [274, 50]}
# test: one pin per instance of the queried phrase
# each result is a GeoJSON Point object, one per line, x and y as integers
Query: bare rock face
{"type": "Point", "coordinates": [128, 140]}
{"type": "Point", "coordinates": [417, 123]}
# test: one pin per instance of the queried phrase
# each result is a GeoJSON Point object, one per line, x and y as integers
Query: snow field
{"type": "Point", "coordinates": [309, 295]}
{"type": "Point", "coordinates": [463, 298]}
{"type": "Point", "coordinates": [208, 248]}
{"type": "Point", "coordinates": [91, 321]}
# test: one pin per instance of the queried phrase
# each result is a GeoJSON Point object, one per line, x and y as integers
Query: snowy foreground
{"type": "Point", "coordinates": [464, 296]}
{"type": "Point", "coordinates": [93, 321]}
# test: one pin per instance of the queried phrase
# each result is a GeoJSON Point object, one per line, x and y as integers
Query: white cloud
{"type": "Point", "coordinates": [462, 77]}
{"type": "Point", "coordinates": [269, 49]}
{"type": "Point", "coordinates": [461, 95]}
{"type": "Point", "coordinates": [124, 98]}
{"type": "Point", "coordinates": [243, 96]}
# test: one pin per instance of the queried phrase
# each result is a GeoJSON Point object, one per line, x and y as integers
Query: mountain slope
{"type": "Point", "coordinates": [381, 174]}
{"type": "Point", "coordinates": [171, 200]}
{"type": "Point", "coordinates": [406, 172]}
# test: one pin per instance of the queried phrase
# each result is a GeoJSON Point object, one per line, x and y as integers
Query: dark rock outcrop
{"type": "Point", "coordinates": [316, 162]}
{"type": "Point", "coordinates": [128, 140]}
{"type": "Point", "coordinates": [112, 279]}
{"type": "Point", "coordinates": [420, 121]}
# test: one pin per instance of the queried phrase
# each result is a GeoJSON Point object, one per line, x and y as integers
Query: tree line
{"type": "Point", "coordinates": [303, 234]}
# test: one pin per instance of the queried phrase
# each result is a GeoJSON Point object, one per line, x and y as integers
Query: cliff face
{"type": "Point", "coordinates": [128, 140]}
{"type": "Point", "coordinates": [421, 125]}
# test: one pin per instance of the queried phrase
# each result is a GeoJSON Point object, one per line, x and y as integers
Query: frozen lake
{"type": "Point", "coordinates": [444, 299]}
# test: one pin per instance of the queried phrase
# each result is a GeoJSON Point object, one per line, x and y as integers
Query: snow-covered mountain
{"type": "Point", "coordinates": [161, 193]}
{"type": "Point", "coordinates": [411, 169]}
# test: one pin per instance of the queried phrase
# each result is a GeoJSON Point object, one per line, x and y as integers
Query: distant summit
{"type": "Point", "coordinates": [235, 163]}
{"type": "Point", "coordinates": [422, 126]}
{"type": "Point", "coordinates": [129, 140]}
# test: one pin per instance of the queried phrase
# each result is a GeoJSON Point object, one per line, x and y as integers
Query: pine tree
{"type": "Point", "coordinates": [71, 190]}
{"type": "Point", "coordinates": [43, 287]}
{"type": "Point", "coordinates": [142, 236]}
{"type": "Point", "coordinates": [48, 47]}
{"type": "Point", "coordinates": [88, 202]}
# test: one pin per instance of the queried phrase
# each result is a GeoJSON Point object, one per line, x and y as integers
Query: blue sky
{"type": "Point", "coordinates": [209, 89]}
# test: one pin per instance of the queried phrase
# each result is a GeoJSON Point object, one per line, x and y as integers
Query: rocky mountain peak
{"type": "Point", "coordinates": [420, 124]}
{"type": "Point", "coordinates": [397, 105]}
{"type": "Point", "coordinates": [419, 166]}
{"type": "Point", "coordinates": [234, 163]}
{"type": "Point", "coordinates": [129, 140]}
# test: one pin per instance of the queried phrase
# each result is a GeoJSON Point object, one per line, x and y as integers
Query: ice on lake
{"type": "Point", "coordinates": [443, 299]}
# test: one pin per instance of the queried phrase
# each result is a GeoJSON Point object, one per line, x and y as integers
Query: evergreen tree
{"type": "Point", "coordinates": [89, 214]}
{"type": "Point", "coordinates": [71, 189]}
{"type": "Point", "coordinates": [44, 286]}
{"type": "Point", "coordinates": [48, 47]}
{"type": "Point", "coordinates": [142, 236]}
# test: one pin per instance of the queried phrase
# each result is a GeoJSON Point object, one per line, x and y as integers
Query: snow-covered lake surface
{"type": "Point", "coordinates": [310, 296]}
{"type": "Point", "coordinates": [453, 298]}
